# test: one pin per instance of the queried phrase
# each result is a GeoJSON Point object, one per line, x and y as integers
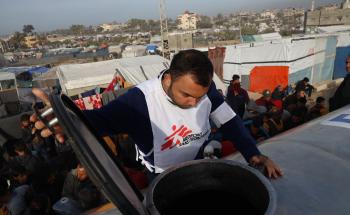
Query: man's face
{"type": "Point", "coordinates": [22, 178]}
{"type": "Point", "coordinates": [348, 64]}
{"type": "Point", "coordinates": [184, 92]}
{"type": "Point", "coordinates": [301, 94]}
{"type": "Point", "coordinates": [236, 81]}
{"type": "Point", "coordinates": [81, 173]}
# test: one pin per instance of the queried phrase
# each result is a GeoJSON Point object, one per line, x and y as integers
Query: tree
{"type": "Point", "coordinates": [268, 30]}
{"type": "Point", "coordinates": [99, 29]}
{"type": "Point", "coordinates": [42, 40]}
{"type": "Point", "coordinates": [205, 22]}
{"type": "Point", "coordinates": [219, 19]}
{"type": "Point", "coordinates": [249, 30]}
{"type": "Point", "coordinates": [17, 40]}
{"type": "Point", "coordinates": [77, 29]}
{"type": "Point", "coordinates": [28, 29]}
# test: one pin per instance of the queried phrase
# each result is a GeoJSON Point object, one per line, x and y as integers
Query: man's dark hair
{"type": "Point", "coordinates": [21, 147]}
{"type": "Point", "coordinates": [302, 100]}
{"type": "Point", "coordinates": [25, 117]}
{"type": "Point", "coordinates": [306, 79]}
{"type": "Point", "coordinates": [320, 99]}
{"type": "Point", "coordinates": [192, 62]}
{"type": "Point", "coordinates": [17, 170]}
{"type": "Point", "coordinates": [235, 77]}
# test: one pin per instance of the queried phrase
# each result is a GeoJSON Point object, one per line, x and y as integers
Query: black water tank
{"type": "Point", "coordinates": [211, 187]}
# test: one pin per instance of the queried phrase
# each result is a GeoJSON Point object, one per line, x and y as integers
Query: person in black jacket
{"type": "Point", "coordinates": [342, 94]}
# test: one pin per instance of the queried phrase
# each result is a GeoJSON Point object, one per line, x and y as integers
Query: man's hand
{"type": "Point", "coordinates": [45, 132]}
{"type": "Point", "coordinates": [272, 169]}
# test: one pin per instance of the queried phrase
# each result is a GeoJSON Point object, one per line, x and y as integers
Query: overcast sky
{"type": "Point", "coordinates": [47, 15]}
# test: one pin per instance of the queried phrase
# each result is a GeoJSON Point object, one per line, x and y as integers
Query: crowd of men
{"type": "Point", "coordinates": [277, 111]}
{"type": "Point", "coordinates": [41, 176]}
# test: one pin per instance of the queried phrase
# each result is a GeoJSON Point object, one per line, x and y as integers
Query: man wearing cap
{"type": "Point", "coordinates": [265, 100]}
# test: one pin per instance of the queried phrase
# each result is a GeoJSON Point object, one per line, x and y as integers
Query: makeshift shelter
{"type": "Point", "coordinates": [140, 69]}
{"type": "Point", "coordinates": [343, 50]}
{"type": "Point", "coordinates": [134, 51]}
{"type": "Point", "coordinates": [48, 79]}
{"type": "Point", "coordinates": [9, 103]}
{"type": "Point", "coordinates": [311, 57]}
{"type": "Point", "coordinates": [78, 78]}
{"type": "Point", "coordinates": [7, 81]}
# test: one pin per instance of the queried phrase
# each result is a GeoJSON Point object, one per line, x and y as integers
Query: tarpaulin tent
{"type": "Point", "coordinates": [7, 81]}
{"type": "Point", "coordinates": [8, 94]}
{"type": "Point", "coordinates": [268, 77]}
{"type": "Point", "coordinates": [78, 78]}
{"type": "Point", "coordinates": [139, 69]}
{"type": "Point", "coordinates": [343, 50]}
{"type": "Point", "coordinates": [311, 56]}
{"type": "Point", "coordinates": [48, 79]}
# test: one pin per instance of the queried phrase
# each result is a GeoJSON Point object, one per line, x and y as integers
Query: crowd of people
{"type": "Point", "coordinates": [41, 176]}
{"type": "Point", "coordinates": [277, 111]}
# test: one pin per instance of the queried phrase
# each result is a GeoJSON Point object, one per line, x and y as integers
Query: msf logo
{"type": "Point", "coordinates": [176, 137]}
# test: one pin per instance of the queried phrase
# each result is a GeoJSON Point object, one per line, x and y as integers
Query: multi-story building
{"type": "Point", "coordinates": [268, 14]}
{"type": "Point", "coordinates": [31, 41]}
{"type": "Point", "coordinates": [188, 21]}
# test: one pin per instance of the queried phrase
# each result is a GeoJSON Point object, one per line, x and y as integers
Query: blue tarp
{"type": "Point", "coordinates": [31, 70]}
{"type": "Point", "coordinates": [339, 64]}
{"type": "Point", "coordinates": [151, 48]}
{"type": "Point", "coordinates": [38, 70]}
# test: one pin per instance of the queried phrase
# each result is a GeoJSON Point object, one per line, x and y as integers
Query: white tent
{"type": "Point", "coordinates": [7, 77]}
{"type": "Point", "coordinates": [77, 78]}
{"type": "Point", "coordinates": [139, 69]}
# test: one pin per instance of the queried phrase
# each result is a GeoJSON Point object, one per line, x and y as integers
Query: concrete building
{"type": "Point", "coordinates": [188, 21]}
{"type": "Point", "coordinates": [293, 12]}
{"type": "Point", "coordinates": [323, 17]}
{"type": "Point", "coordinates": [31, 41]}
{"type": "Point", "coordinates": [268, 14]}
{"type": "Point", "coordinates": [110, 27]}
{"type": "Point", "coordinates": [180, 41]}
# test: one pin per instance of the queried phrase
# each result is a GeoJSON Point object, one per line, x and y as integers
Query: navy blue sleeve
{"type": "Point", "coordinates": [233, 129]}
{"type": "Point", "coordinates": [127, 114]}
{"type": "Point", "coordinates": [237, 133]}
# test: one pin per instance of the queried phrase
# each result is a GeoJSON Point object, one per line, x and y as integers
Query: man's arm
{"type": "Point", "coordinates": [117, 116]}
{"type": "Point", "coordinates": [232, 127]}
